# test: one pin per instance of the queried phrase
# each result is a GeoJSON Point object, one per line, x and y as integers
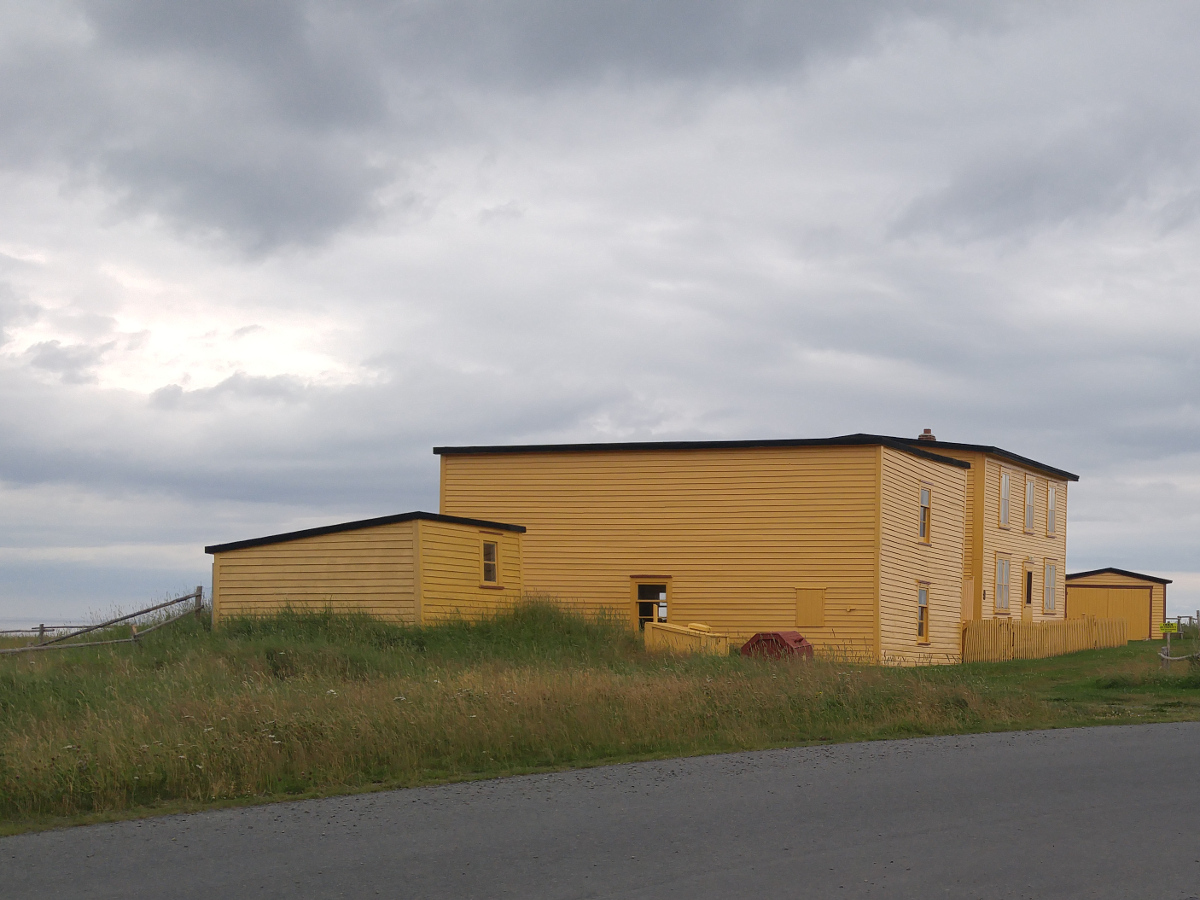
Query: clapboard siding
{"type": "Point", "coordinates": [736, 530]}
{"type": "Point", "coordinates": [451, 571]}
{"type": "Point", "coordinates": [370, 570]}
{"type": "Point", "coordinates": [988, 538]}
{"type": "Point", "coordinates": [1157, 594]}
{"type": "Point", "coordinates": [1035, 547]}
{"type": "Point", "coordinates": [906, 562]}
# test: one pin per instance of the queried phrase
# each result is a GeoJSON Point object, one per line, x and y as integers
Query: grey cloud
{"type": "Point", "coordinates": [73, 363]}
{"type": "Point", "coordinates": [273, 124]}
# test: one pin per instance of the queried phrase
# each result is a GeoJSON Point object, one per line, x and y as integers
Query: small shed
{"type": "Point", "coordinates": [1141, 600]}
{"type": "Point", "coordinates": [414, 568]}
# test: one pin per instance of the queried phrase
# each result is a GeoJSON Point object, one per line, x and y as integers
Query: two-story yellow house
{"type": "Point", "coordinates": [870, 545]}
{"type": "Point", "coordinates": [1015, 545]}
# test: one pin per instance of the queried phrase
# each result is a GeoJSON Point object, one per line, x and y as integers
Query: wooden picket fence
{"type": "Point", "coordinates": [998, 640]}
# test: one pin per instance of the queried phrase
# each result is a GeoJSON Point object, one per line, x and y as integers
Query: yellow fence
{"type": "Point", "coordinates": [997, 640]}
{"type": "Point", "coordinates": [695, 638]}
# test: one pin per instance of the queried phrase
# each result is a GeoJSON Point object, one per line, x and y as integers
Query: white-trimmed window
{"type": "Point", "coordinates": [924, 521]}
{"type": "Point", "coordinates": [1003, 568]}
{"type": "Point", "coordinates": [1005, 491]}
{"type": "Point", "coordinates": [1030, 485]}
{"type": "Point", "coordinates": [1050, 588]}
{"type": "Point", "coordinates": [1051, 509]}
{"type": "Point", "coordinates": [923, 614]}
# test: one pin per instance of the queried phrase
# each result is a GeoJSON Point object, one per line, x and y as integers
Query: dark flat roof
{"type": "Point", "coordinates": [994, 451]}
{"type": "Point", "coordinates": [361, 523]}
{"type": "Point", "coordinates": [845, 441]}
{"type": "Point", "coordinates": [924, 449]}
{"type": "Point", "coordinates": [1109, 570]}
{"type": "Point", "coordinates": [849, 440]}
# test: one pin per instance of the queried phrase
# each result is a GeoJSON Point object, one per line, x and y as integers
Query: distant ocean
{"type": "Point", "coordinates": [12, 623]}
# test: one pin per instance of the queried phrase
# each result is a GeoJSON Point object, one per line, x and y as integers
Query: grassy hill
{"type": "Point", "coordinates": [304, 705]}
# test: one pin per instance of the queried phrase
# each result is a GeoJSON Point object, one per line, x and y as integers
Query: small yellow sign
{"type": "Point", "coordinates": [1169, 627]}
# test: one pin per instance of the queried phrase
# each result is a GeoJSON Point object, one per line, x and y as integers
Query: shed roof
{"type": "Point", "coordinates": [849, 440]}
{"type": "Point", "coordinates": [355, 526]}
{"type": "Point", "coordinates": [1110, 570]}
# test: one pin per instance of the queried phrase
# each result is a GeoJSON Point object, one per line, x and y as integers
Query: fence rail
{"type": "Point", "coordinates": [999, 640]}
{"type": "Point", "coordinates": [60, 642]}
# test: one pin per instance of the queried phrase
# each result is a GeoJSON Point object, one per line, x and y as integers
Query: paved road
{"type": "Point", "coordinates": [1096, 813]}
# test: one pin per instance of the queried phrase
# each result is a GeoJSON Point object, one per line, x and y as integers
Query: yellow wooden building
{"type": "Point", "coordinates": [415, 568]}
{"type": "Point", "coordinates": [1117, 594]}
{"type": "Point", "coordinates": [1015, 544]}
{"type": "Point", "coordinates": [857, 541]}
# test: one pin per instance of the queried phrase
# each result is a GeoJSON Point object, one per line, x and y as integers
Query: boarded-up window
{"type": "Point", "coordinates": [810, 607]}
{"type": "Point", "coordinates": [1050, 588]}
{"type": "Point", "coordinates": [491, 572]}
{"type": "Point", "coordinates": [1029, 485]}
{"type": "Point", "coordinates": [1005, 486]}
{"type": "Point", "coordinates": [1051, 509]}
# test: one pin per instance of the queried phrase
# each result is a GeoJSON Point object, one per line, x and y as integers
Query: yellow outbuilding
{"type": "Point", "coordinates": [414, 568]}
{"type": "Point", "coordinates": [856, 542]}
{"type": "Point", "coordinates": [1141, 600]}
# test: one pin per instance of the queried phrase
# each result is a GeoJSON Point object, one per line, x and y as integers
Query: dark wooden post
{"type": "Point", "coordinates": [199, 600]}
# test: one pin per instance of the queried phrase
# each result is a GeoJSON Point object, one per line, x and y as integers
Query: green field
{"type": "Point", "coordinates": [317, 704]}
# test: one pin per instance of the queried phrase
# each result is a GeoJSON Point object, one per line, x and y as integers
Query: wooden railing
{"type": "Point", "coordinates": [997, 640]}
{"type": "Point", "coordinates": [696, 638]}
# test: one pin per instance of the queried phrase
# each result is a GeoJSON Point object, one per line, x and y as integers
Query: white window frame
{"type": "Point", "coordinates": [1030, 494]}
{"type": "Point", "coordinates": [1049, 587]}
{"type": "Point", "coordinates": [1003, 582]}
{"type": "Point", "coordinates": [1051, 509]}
{"type": "Point", "coordinates": [1005, 493]}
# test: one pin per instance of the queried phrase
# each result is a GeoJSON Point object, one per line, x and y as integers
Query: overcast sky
{"type": "Point", "coordinates": [257, 258]}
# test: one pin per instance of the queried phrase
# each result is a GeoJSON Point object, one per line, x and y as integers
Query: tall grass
{"type": "Point", "coordinates": [303, 703]}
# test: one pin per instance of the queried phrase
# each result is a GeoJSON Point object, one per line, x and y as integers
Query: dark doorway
{"type": "Point", "coordinates": [651, 604]}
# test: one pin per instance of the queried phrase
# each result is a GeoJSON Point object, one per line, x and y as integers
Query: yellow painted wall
{"type": "Point", "coordinates": [987, 537]}
{"type": "Point", "coordinates": [368, 570]}
{"type": "Point", "coordinates": [1131, 595]}
{"type": "Point", "coordinates": [906, 561]}
{"type": "Point", "coordinates": [736, 530]}
{"type": "Point", "coordinates": [451, 571]}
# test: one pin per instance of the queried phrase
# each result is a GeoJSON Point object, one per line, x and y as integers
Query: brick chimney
{"type": "Point", "coordinates": [926, 435]}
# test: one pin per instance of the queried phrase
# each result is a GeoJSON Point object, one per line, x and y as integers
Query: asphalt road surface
{"type": "Point", "coordinates": [1097, 813]}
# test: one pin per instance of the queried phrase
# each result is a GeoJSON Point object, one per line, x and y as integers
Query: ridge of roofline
{"type": "Point", "coordinates": [357, 525]}
{"type": "Point", "coordinates": [848, 440]}
{"type": "Point", "coordinates": [994, 451]}
{"type": "Point", "coordinates": [1115, 571]}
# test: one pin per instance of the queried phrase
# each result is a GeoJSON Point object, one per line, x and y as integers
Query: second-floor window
{"type": "Point", "coordinates": [1029, 487]}
{"type": "Point", "coordinates": [1005, 488]}
{"type": "Point", "coordinates": [923, 525]}
{"type": "Point", "coordinates": [1051, 509]}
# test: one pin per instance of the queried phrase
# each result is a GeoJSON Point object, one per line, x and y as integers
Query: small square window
{"type": "Point", "coordinates": [491, 570]}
